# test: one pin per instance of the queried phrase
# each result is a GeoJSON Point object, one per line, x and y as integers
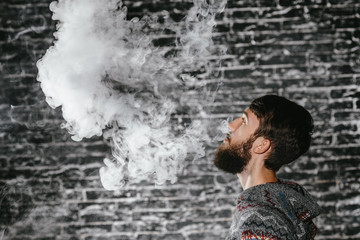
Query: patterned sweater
{"type": "Point", "coordinates": [273, 211]}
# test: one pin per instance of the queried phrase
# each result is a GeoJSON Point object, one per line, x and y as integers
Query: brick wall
{"type": "Point", "coordinates": [307, 51]}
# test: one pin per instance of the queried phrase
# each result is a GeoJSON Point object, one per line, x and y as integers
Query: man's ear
{"type": "Point", "coordinates": [262, 146]}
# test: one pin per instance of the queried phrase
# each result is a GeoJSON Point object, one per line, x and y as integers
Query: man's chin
{"type": "Point", "coordinates": [229, 160]}
{"type": "Point", "coordinates": [233, 158]}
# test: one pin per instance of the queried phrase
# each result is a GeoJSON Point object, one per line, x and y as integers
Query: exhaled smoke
{"type": "Point", "coordinates": [110, 80]}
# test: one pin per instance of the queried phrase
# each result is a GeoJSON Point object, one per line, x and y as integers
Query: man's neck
{"type": "Point", "coordinates": [253, 176]}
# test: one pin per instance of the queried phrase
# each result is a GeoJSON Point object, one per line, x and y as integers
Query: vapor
{"type": "Point", "coordinates": [109, 79]}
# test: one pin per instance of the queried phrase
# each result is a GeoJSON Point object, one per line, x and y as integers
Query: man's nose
{"type": "Point", "coordinates": [232, 126]}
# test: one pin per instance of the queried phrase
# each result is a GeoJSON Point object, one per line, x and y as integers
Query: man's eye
{"type": "Point", "coordinates": [243, 121]}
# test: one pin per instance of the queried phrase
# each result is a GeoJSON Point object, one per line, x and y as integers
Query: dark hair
{"type": "Point", "coordinates": [286, 124]}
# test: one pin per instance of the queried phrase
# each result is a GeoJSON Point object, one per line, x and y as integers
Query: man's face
{"type": "Point", "coordinates": [235, 152]}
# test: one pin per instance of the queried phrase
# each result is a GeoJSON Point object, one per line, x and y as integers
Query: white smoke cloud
{"type": "Point", "coordinates": [110, 80]}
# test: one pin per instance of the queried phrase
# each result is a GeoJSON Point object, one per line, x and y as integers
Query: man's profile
{"type": "Point", "coordinates": [273, 131]}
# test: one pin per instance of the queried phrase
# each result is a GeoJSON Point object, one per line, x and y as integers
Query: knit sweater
{"type": "Point", "coordinates": [274, 211]}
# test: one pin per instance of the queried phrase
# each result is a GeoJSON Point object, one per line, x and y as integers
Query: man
{"type": "Point", "coordinates": [272, 132]}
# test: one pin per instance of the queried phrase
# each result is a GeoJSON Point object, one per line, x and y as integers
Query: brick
{"type": "Point", "coordinates": [353, 229]}
{"type": "Point", "coordinates": [145, 216]}
{"type": "Point", "coordinates": [295, 176]}
{"type": "Point", "coordinates": [97, 147]}
{"type": "Point", "coordinates": [164, 42]}
{"type": "Point", "coordinates": [123, 215]}
{"type": "Point", "coordinates": [94, 228]}
{"type": "Point", "coordinates": [9, 127]}
{"type": "Point", "coordinates": [341, 11]}
{"type": "Point", "coordinates": [245, 73]}
{"type": "Point", "coordinates": [203, 180]}
{"type": "Point", "coordinates": [346, 116]}
{"type": "Point", "coordinates": [341, 105]}
{"type": "Point", "coordinates": [150, 226]}
{"type": "Point", "coordinates": [259, 25]}
{"type": "Point", "coordinates": [111, 237]}
{"type": "Point", "coordinates": [324, 186]}
{"type": "Point", "coordinates": [207, 191]}
{"type": "Point", "coordinates": [124, 227]}
{"type": "Point", "coordinates": [327, 197]}
{"type": "Point", "coordinates": [345, 151]}
{"type": "Point", "coordinates": [64, 149]}
{"type": "Point", "coordinates": [289, 13]}
{"type": "Point", "coordinates": [356, 34]}
{"type": "Point", "coordinates": [69, 177]}
{"type": "Point", "coordinates": [68, 237]}
{"type": "Point", "coordinates": [163, 192]}
{"type": "Point", "coordinates": [3, 162]}
{"type": "Point", "coordinates": [347, 23]}
{"type": "Point", "coordinates": [243, 14]}
{"type": "Point", "coordinates": [321, 57]}
{"type": "Point", "coordinates": [31, 137]}
{"type": "Point", "coordinates": [221, 28]}
{"type": "Point", "coordinates": [349, 207]}
{"type": "Point", "coordinates": [150, 203]}
{"type": "Point", "coordinates": [14, 173]}
{"type": "Point", "coordinates": [98, 217]}
{"type": "Point", "coordinates": [283, 60]}
{"type": "Point", "coordinates": [71, 194]}
{"type": "Point", "coordinates": [350, 174]}
{"type": "Point", "coordinates": [345, 127]}
{"type": "Point", "coordinates": [41, 194]}
{"type": "Point", "coordinates": [18, 3]}
{"type": "Point", "coordinates": [286, 3]}
{"type": "Point", "coordinates": [207, 235]}
{"type": "Point", "coordinates": [170, 236]}
{"type": "Point", "coordinates": [326, 175]}
{"type": "Point", "coordinates": [298, 24]}
{"type": "Point", "coordinates": [228, 109]}
{"type": "Point", "coordinates": [321, 140]}
{"type": "Point", "coordinates": [246, 4]}
{"type": "Point", "coordinates": [318, 81]}
{"type": "Point", "coordinates": [343, 46]}
{"type": "Point", "coordinates": [16, 204]}
{"type": "Point", "coordinates": [107, 194]}
{"type": "Point", "coordinates": [323, 115]}
{"type": "Point", "coordinates": [345, 163]}
{"type": "Point", "coordinates": [178, 226]}
{"type": "Point", "coordinates": [348, 139]}
{"type": "Point", "coordinates": [90, 182]}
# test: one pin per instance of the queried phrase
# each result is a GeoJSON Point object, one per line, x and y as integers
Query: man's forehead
{"type": "Point", "coordinates": [249, 114]}
{"type": "Point", "coordinates": [247, 111]}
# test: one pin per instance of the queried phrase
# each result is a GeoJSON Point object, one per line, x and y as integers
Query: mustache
{"type": "Point", "coordinates": [229, 135]}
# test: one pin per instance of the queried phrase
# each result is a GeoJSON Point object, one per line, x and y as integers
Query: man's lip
{"type": "Point", "coordinates": [228, 137]}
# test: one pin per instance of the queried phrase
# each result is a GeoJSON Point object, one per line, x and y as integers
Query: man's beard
{"type": "Point", "coordinates": [233, 159]}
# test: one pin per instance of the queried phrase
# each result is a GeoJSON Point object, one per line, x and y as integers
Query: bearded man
{"type": "Point", "coordinates": [272, 132]}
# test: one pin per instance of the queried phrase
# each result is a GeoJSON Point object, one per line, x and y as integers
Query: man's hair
{"type": "Point", "coordinates": [286, 124]}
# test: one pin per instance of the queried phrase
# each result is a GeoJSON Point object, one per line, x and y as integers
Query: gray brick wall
{"type": "Point", "coordinates": [305, 50]}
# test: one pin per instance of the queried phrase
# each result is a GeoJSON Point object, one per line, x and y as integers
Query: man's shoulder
{"type": "Point", "coordinates": [283, 210]}
{"type": "Point", "coordinates": [262, 221]}
{"type": "Point", "coordinates": [263, 203]}
{"type": "Point", "coordinates": [256, 214]}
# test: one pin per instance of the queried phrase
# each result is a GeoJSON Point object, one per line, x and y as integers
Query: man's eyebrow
{"type": "Point", "coordinates": [246, 115]}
